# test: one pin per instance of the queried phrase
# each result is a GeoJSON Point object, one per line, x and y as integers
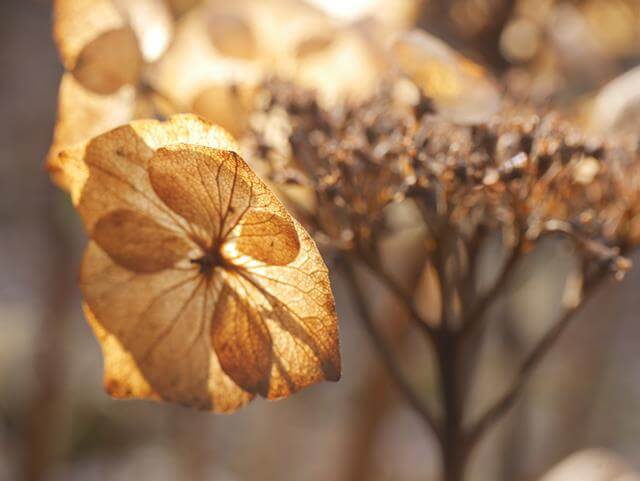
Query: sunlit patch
{"type": "Point", "coordinates": [155, 43]}
{"type": "Point", "coordinates": [230, 251]}
{"type": "Point", "coordinates": [152, 22]}
{"type": "Point", "coordinates": [347, 10]}
{"type": "Point", "coordinates": [396, 13]}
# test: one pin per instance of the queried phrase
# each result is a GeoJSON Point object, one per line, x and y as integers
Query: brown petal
{"type": "Point", "coordinates": [242, 342]}
{"type": "Point", "coordinates": [83, 114]}
{"type": "Point", "coordinates": [268, 237]}
{"type": "Point", "coordinates": [275, 329]}
{"type": "Point", "coordinates": [119, 156]}
{"type": "Point", "coordinates": [104, 43]}
{"type": "Point", "coordinates": [110, 61]}
{"type": "Point", "coordinates": [187, 184]}
{"type": "Point", "coordinates": [138, 243]}
{"type": "Point", "coordinates": [213, 189]}
{"type": "Point", "coordinates": [159, 323]}
{"type": "Point", "coordinates": [122, 378]}
{"type": "Point", "coordinates": [117, 178]}
{"type": "Point", "coordinates": [184, 129]}
{"type": "Point", "coordinates": [297, 302]}
{"type": "Point", "coordinates": [232, 35]}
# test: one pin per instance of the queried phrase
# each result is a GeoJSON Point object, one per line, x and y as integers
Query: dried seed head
{"type": "Point", "coordinates": [519, 171]}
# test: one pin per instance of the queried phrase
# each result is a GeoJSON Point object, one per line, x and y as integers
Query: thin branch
{"type": "Point", "coordinates": [401, 294]}
{"type": "Point", "coordinates": [473, 248]}
{"type": "Point", "coordinates": [532, 361]}
{"type": "Point", "coordinates": [476, 314]}
{"type": "Point", "coordinates": [443, 239]}
{"type": "Point", "coordinates": [386, 353]}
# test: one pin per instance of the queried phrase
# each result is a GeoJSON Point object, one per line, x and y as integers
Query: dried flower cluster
{"type": "Point", "coordinates": [522, 175]}
{"type": "Point", "coordinates": [525, 174]}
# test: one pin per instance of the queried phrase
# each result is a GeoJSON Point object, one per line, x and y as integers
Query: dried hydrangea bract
{"type": "Point", "coordinates": [105, 43]}
{"type": "Point", "coordinates": [199, 285]}
{"type": "Point", "coordinates": [83, 114]}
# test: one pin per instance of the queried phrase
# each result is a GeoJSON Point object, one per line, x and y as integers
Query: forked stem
{"type": "Point", "coordinates": [456, 440]}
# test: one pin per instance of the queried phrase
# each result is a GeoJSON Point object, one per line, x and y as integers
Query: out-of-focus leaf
{"type": "Point", "coordinates": [200, 287]}
{"type": "Point", "coordinates": [228, 49]}
{"type": "Point", "coordinates": [180, 7]}
{"type": "Point", "coordinates": [152, 23]}
{"type": "Point", "coordinates": [104, 44]}
{"type": "Point", "coordinates": [461, 90]}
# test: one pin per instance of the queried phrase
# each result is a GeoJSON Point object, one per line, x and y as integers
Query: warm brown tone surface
{"type": "Point", "coordinates": [197, 277]}
{"type": "Point", "coordinates": [359, 170]}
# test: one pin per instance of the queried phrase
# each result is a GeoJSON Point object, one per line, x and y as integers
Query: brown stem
{"type": "Point", "coordinates": [444, 239]}
{"type": "Point", "coordinates": [473, 246]}
{"type": "Point", "coordinates": [453, 447]}
{"type": "Point", "coordinates": [399, 292]}
{"type": "Point", "coordinates": [386, 354]}
{"type": "Point", "coordinates": [475, 316]}
{"type": "Point", "coordinates": [530, 363]}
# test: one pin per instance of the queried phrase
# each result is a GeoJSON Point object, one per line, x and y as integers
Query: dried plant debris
{"type": "Point", "coordinates": [199, 285]}
{"type": "Point", "coordinates": [524, 173]}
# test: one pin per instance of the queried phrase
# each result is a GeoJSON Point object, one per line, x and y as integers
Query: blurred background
{"type": "Point", "coordinates": [56, 423]}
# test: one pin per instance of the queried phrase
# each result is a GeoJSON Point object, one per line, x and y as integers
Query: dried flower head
{"type": "Point", "coordinates": [200, 286]}
{"type": "Point", "coordinates": [521, 173]}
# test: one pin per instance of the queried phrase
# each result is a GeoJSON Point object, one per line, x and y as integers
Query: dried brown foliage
{"type": "Point", "coordinates": [200, 286]}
